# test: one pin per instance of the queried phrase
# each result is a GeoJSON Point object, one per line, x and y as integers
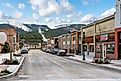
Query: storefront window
{"type": "Point", "coordinates": [91, 48]}
{"type": "Point", "coordinates": [84, 47]}
{"type": "Point", "coordinates": [110, 48]}
{"type": "Point", "coordinates": [98, 49]}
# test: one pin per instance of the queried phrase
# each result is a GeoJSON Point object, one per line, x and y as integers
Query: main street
{"type": "Point", "coordinates": [44, 66]}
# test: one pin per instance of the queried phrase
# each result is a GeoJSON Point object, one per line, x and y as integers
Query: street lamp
{"type": "Point", "coordinates": [82, 38]}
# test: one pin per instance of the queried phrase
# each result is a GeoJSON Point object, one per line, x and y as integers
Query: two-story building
{"type": "Point", "coordinates": [76, 43]}
{"type": "Point", "coordinates": [99, 37]}
{"type": "Point", "coordinates": [12, 36]}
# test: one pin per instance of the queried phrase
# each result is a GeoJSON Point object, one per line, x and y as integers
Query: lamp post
{"type": "Point", "coordinates": [82, 37]}
{"type": "Point", "coordinates": [11, 54]}
{"type": "Point", "coordinates": [94, 39]}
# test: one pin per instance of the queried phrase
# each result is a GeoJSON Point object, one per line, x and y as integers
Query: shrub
{"type": "Point", "coordinates": [5, 71]}
{"type": "Point", "coordinates": [15, 62]}
{"type": "Point", "coordinates": [6, 48]}
{"type": "Point", "coordinates": [7, 61]}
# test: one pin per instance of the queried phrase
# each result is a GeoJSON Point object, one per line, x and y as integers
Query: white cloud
{"type": "Point", "coordinates": [90, 2]}
{"type": "Point", "coordinates": [35, 16]}
{"type": "Point", "coordinates": [66, 5]}
{"type": "Point", "coordinates": [49, 7]}
{"type": "Point", "coordinates": [18, 15]}
{"type": "Point", "coordinates": [21, 6]}
{"type": "Point", "coordinates": [4, 17]}
{"type": "Point", "coordinates": [108, 13]}
{"type": "Point", "coordinates": [2, 14]}
{"type": "Point", "coordinates": [47, 20]}
{"type": "Point", "coordinates": [85, 2]}
{"type": "Point", "coordinates": [8, 5]}
{"type": "Point", "coordinates": [88, 19]}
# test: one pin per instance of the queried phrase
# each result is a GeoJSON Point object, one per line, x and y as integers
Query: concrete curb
{"type": "Point", "coordinates": [15, 71]}
{"type": "Point", "coordinates": [97, 65]}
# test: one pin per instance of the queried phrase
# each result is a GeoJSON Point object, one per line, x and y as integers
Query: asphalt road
{"type": "Point", "coordinates": [44, 66]}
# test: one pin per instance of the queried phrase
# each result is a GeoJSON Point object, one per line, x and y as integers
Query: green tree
{"type": "Point", "coordinates": [6, 48]}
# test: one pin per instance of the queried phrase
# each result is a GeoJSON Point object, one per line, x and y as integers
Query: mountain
{"type": "Point", "coordinates": [32, 33]}
{"type": "Point", "coordinates": [62, 29]}
{"type": "Point", "coordinates": [39, 33]}
{"type": "Point", "coordinates": [36, 28]}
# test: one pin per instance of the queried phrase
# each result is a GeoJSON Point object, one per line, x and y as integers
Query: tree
{"type": "Point", "coordinates": [6, 48]}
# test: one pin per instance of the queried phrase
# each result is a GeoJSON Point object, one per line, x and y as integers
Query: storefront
{"type": "Point", "coordinates": [105, 45]}
{"type": "Point", "coordinates": [89, 45]}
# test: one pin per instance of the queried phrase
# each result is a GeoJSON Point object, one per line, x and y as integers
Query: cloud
{"type": "Point", "coordinates": [5, 17]}
{"type": "Point", "coordinates": [66, 5]}
{"type": "Point", "coordinates": [18, 15]}
{"type": "Point", "coordinates": [21, 6]}
{"type": "Point", "coordinates": [2, 15]}
{"type": "Point", "coordinates": [85, 2]}
{"type": "Point", "coordinates": [88, 19]}
{"type": "Point", "coordinates": [49, 7]}
{"type": "Point", "coordinates": [107, 13]}
{"type": "Point", "coordinates": [8, 5]}
{"type": "Point", "coordinates": [47, 20]}
{"type": "Point", "coordinates": [89, 2]}
{"type": "Point", "coordinates": [36, 16]}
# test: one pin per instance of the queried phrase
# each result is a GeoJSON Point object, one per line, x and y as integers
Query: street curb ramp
{"type": "Point", "coordinates": [15, 71]}
{"type": "Point", "coordinates": [96, 65]}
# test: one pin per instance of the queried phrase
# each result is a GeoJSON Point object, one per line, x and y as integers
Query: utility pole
{"type": "Point", "coordinates": [11, 54]}
{"type": "Point", "coordinates": [81, 41]}
{"type": "Point", "coordinates": [100, 43]}
{"type": "Point", "coordinates": [82, 36]}
{"type": "Point", "coordinates": [94, 39]}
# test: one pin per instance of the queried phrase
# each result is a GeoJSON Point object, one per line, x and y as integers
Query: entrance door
{"type": "Point", "coordinates": [119, 49]}
{"type": "Point", "coordinates": [104, 50]}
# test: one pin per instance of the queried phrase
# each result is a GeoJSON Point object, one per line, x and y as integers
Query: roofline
{"type": "Point", "coordinates": [100, 21]}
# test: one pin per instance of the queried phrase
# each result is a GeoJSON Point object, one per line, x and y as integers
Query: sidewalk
{"type": "Point", "coordinates": [115, 64]}
{"type": "Point", "coordinates": [11, 68]}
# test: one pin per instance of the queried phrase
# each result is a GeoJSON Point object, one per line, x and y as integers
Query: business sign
{"type": "Point", "coordinates": [3, 37]}
{"type": "Point", "coordinates": [104, 37]}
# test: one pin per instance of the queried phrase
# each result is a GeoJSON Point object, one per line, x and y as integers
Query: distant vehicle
{"type": "Point", "coordinates": [61, 53]}
{"type": "Point", "coordinates": [54, 50]}
{"type": "Point", "coordinates": [44, 49]}
{"type": "Point", "coordinates": [47, 50]}
{"type": "Point", "coordinates": [24, 50]}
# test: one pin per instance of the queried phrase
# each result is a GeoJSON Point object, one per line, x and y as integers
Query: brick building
{"type": "Point", "coordinates": [118, 30]}
{"type": "Point", "coordinates": [103, 30]}
{"type": "Point", "coordinates": [12, 36]}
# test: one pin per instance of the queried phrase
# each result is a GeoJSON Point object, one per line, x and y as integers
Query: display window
{"type": "Point", "coordinates": [110, 48]}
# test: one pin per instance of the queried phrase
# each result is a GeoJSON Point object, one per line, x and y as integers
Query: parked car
{"type": "Point", "coordinates": [24, 50]}
{"type": "Point", "coordinates": [61, 53]}
{"type": "Point", "coordinates": [54, 50]}
{"type": "Point", "coordinates": [47, 50]}
{"type": "Point", "coordinates": [44, 49]}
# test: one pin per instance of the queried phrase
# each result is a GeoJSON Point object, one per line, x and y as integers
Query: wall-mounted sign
{"type": "Point", "coordinates": [104, 37]}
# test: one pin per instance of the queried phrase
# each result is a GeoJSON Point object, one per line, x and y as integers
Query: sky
{"type": "Point", "coordinates": [55, 12]}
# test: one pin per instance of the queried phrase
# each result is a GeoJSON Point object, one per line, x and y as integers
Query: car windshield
{"type": "Point", "coordinates": [60, 40]}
